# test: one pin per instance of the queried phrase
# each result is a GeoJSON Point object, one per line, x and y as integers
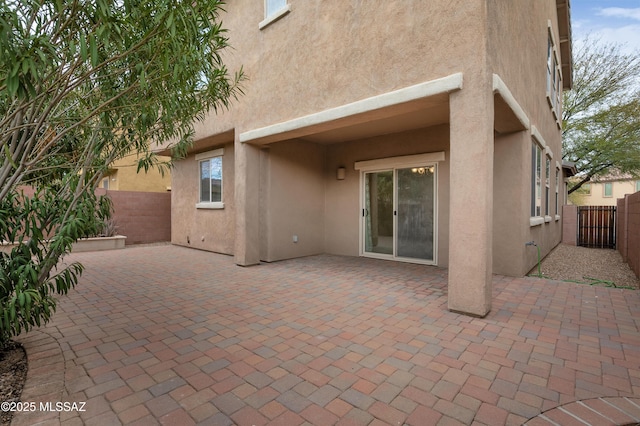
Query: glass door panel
{"type": "Point", "coordinates": [378, 212]}
{"type": "Point", "coordinates": [415, 220]}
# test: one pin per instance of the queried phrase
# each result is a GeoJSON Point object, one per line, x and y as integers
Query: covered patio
{"type": "Point", "coordinates": [170, 335]}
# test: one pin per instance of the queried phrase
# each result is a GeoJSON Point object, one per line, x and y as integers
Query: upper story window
{"type": "Point", "coordinates": [210, 179]}
{"type": "Point", "coordinates": [274, 10]}
{"type": "Point", "coordinates": [273, 6]}
{"type": "Point", "coordinates": [637, 185]}
{"type": "Point", "coordinates": [554, 77]}
{"type": "Point", "coordinates": [608, 189]}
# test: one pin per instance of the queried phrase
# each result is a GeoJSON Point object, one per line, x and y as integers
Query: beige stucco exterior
{"type": "Point", "coordinates": [124, 176]}
{"type": "Point", "coordinates": [338, 84]}
{"type": "Point", "coordinates": [593, 193]}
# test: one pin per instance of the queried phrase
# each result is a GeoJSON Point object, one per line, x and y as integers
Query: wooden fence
{"type": "Point", "coordinates": [597, 226]}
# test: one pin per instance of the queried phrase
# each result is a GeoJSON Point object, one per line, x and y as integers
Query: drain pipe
{"type": "Point", "coordinates": [533, 243]}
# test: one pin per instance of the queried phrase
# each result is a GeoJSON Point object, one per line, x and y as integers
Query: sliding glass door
{"type": "Point", "coordinates": [398, 215]}
{"type": "Point", "coordinates": [378, 212]}
{"type": "Point", "coordinates": [415, 207]}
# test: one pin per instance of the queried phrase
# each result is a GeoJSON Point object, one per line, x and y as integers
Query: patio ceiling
{"type": "Point", "coordinates": [422, 105]}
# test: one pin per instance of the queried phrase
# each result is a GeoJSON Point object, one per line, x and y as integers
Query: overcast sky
{"type": "Point", "coordinates": [611, 20]}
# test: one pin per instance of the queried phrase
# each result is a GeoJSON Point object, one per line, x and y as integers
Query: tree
{"type": "Point", "coordinates": [601, 116]}
{"type": "Point", "coordinates": [83, 83]}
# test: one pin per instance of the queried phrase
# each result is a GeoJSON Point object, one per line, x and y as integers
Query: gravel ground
{"type": "Point", "coordinates": [13, 373]}
{"type": "Point", "coordinates": [587, 265]}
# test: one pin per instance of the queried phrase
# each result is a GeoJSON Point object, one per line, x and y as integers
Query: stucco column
{"type": "Point", "coordinates": [247, 180]}
{"type": "Point", "coordinates": [471, 197]}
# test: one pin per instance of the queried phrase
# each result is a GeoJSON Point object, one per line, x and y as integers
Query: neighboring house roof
{"type": "Point", "coordinates": [613, 177]}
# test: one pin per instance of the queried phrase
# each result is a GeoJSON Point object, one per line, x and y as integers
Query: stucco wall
{"type": "Point", "coordinates": [324, 54]}
{"type": "Point", "coordinates": [518, 36]}
{"type": "Point", "coordinates": [329, 54]}
{"type": "Point", "coordinates": [510, 203]}
{"type": "Point", "coordinates": [127, 178]}
{"type": "Point", "coordinates": [207, 229]}
{"type": "Point", "coordinates": [597, 198]}
{"type": "Point", "coordinates": [301, 195]}
{"type": "Point", "coordinates": [294, 200]}
{"type": "Point", "coordinates": [512, 25]}
{"type": "Point", "coordinates": [342, 217]}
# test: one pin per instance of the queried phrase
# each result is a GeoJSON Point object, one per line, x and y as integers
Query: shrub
{"type": "Point", "coordinates": [32, 274]}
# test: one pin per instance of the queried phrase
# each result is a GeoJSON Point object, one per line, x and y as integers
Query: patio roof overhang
{"type": "Point", "coordinates": [508, 115]}
{"type": "Point", "coordinates": [203, 144]}
{"type": "Point", "coordinates": [422, 105]}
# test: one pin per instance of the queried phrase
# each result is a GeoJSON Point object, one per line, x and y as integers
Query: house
{"type": "Point", "coordinates": [123, 175]}
{"type": "Point", "coordinates": [605, 191]}
{"type": "Point", "coordinates": [414, 131]}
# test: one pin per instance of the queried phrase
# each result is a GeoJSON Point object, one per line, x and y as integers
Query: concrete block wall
{"type": "Point", "coordinates": [143, 217]}
{"type": "Point", "coordinates": [621, 227]}
{"type": "Point", "coordinates": [569, 225]}
{"type": "Point", "coordinates": [628, 235]}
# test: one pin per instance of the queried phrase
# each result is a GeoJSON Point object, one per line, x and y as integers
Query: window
{"type": "Point", "coordinates": [554, 78]}
{"type": "Point", "coordinates": [274, 10]}
{"type": "Point", "coordinates": [274, 6]}
{"type": "Point", "coordinates": [210, 173]}
{"type": "Point", "coordinates": [547, 187]}
{"type": "Point", "coordinates": [608, 189]}
{"type": "Point", "coordinates": [587, 188]}
{"type": "Point", "coordinates": [558, 94]}
{"type": "Point", "coordinates": [549, 62]}
{"type": "Point", "coordinates": [536, 180]}
{"type": "Point", "coordinates": [105, 183]}
{"type": "Point", "coordinates": [557, 192]}
{"type": "Point", "coordinates": [637, 185]}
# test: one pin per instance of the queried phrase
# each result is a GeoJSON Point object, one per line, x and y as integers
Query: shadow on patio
{"type": "Point", "coordinates": [171, 335]}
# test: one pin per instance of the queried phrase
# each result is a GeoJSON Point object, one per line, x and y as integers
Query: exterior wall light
{"type": "Point", "coordinates": [340, 173]}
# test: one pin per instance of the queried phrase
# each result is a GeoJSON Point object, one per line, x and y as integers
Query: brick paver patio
{"type": "Point", "coordinates": [169, 335]}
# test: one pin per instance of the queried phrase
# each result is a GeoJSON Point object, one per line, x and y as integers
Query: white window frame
{"type": "Point", "coordinates": [272, 15]}
{"type": "Point", "coordinates": [604, 189]}
{"type": "Point", "coordinates": [393, 163]}
{"type": "Point", "coordinates": [558, 175]}
{"type": "Point", "coordinates": [554, 76]}
{"type": "Point", "coordinates": [536, 184]}
{"type": "Point", "coordinates": [208, 156]}
{"type": "Point", "coordinates": [547, 186]}
{"type": "Point", "coordinates": [637, 185]}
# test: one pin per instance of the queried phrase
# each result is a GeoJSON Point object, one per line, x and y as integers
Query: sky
{"type": "Point", "coordinates": [610, 20]}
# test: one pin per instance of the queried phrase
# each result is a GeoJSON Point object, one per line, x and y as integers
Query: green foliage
{"type": "Point", "coordinates": [83, 84]}
{"type": "Point", "coordinates": [601, 114]}
{"type": "Point", "coordinates": [578, 197]}
{"type": "Point", "coordinates": [30, 274]}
